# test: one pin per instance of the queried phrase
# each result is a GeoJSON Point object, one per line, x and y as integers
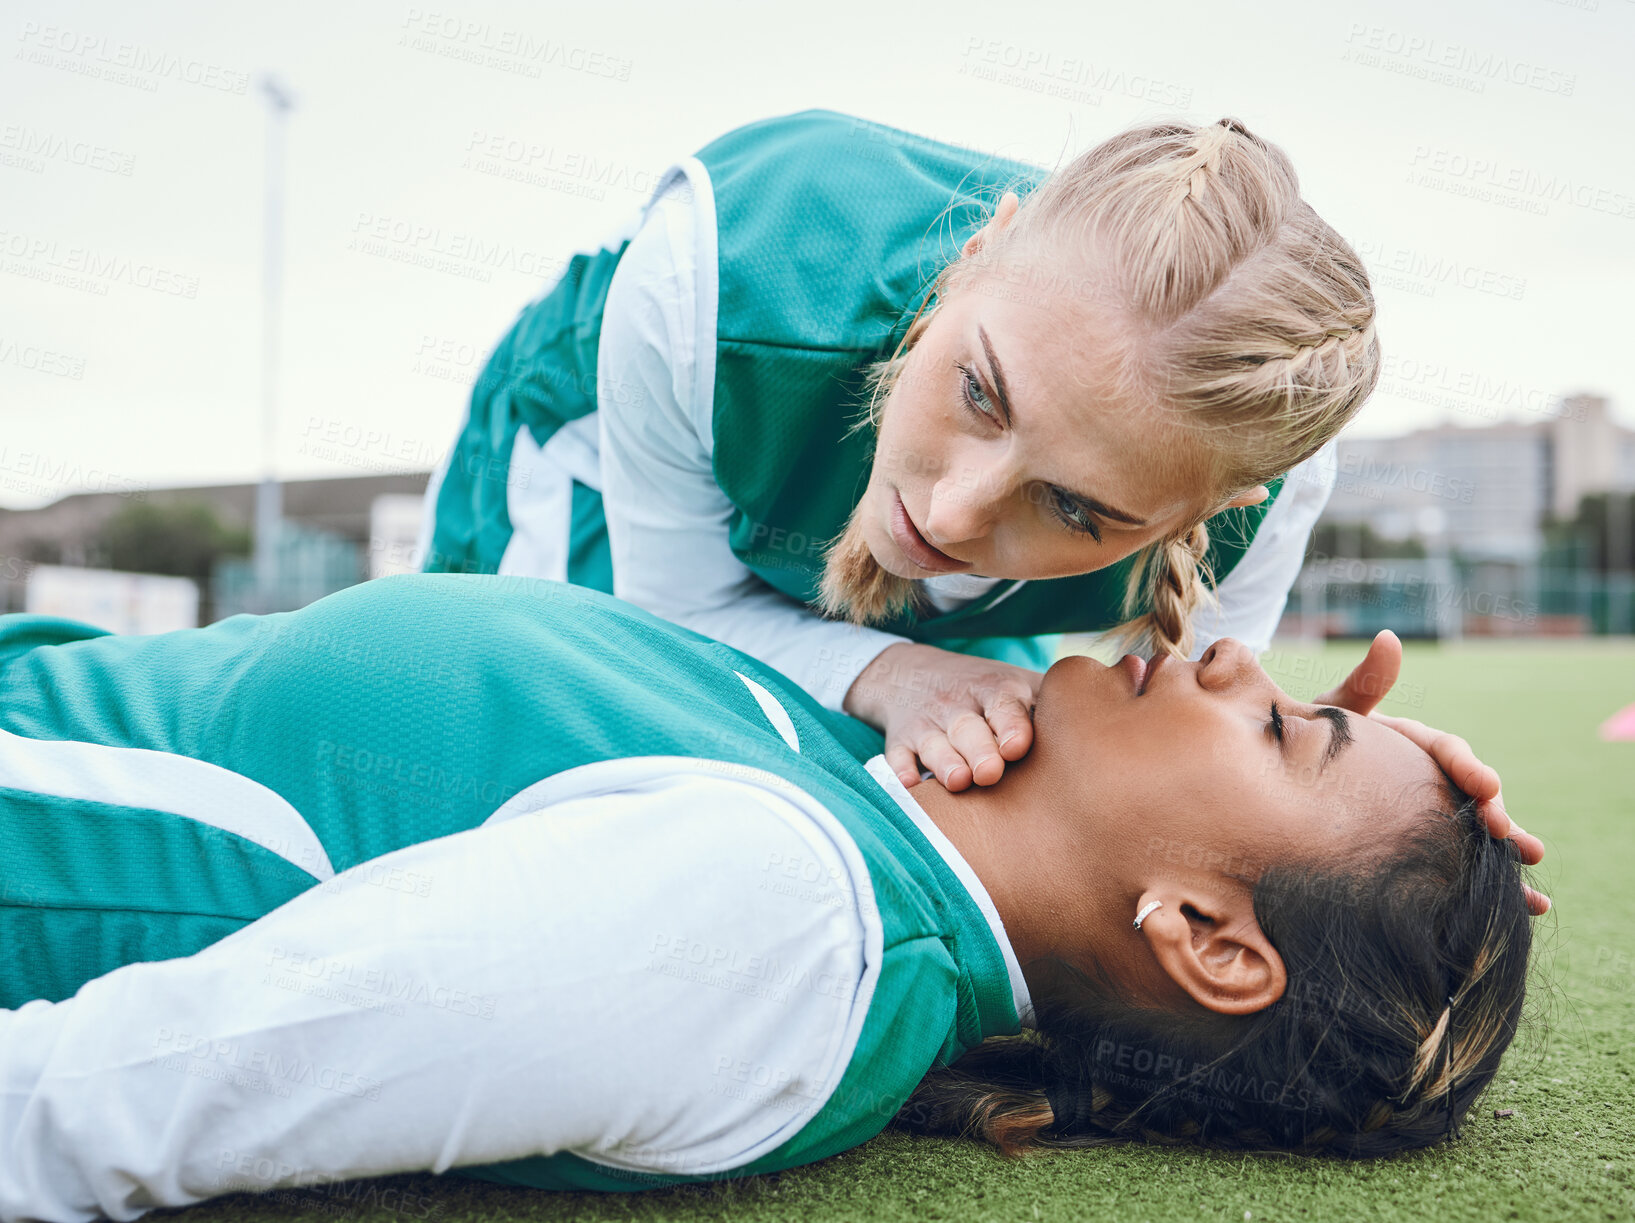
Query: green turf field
{"type": "Point", "coordinates": [1532, 710]}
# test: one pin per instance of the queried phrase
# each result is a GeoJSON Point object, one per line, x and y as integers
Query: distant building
{"type": "Point", "coordinates": [119, 602]}
{"type": "Point", "coordinates": [1484, 491]}
{"type": "Point", "coordinates": [394, 530]}
{"type": "Point", "coordinates": [340, 505]}
{"type": "Point", "coordinates": [328, 541]}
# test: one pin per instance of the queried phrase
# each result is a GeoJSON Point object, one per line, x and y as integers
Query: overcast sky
{"type": "Point", "coordinates": [1476, 154]}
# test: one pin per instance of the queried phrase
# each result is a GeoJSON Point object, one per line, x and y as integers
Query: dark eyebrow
{"type": "Point", "coordinates": [1003, 396]}
{"type": "Point", "coordinates": [1339, 732]}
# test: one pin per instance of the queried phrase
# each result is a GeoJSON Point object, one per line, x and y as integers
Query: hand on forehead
{"type": "Point", "coordinates": [1362, 691]}
{"type": "Point", "coordinates": [1430, 751]}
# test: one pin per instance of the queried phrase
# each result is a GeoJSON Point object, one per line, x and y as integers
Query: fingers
{"type": "Point", "coordinates": [974, 740]}
{"type": "Point", "coordinates": [1496, 818]}
{"type": "Point", "coordinates": [973, 749]}
{"type": "Point", "coordinates": [1458, 760]}
{"type": "Point", "coordinates": [1528, 847]}
{"type": "Point", "coordinates": [904, 763]}
{"type": "Point", "coordinates": [1003, 732]}
{"type": "Point", "coordinates": [1500, 826]}
{"type": "Point", "coordinates": [1403, 726]}
{"type": "Point", "coordinates": [1371, 678]}
{"type": "Point", "coordinates": [1531, 849]}
{"type": "Point", "coordinates": [945, 761]}
{"type": "Point", "coordinates": [1452, 754]}
{"type": "Point", "coordinates": [1012, 726]}
{"type": "Point", "coordinates": [921, 743]}
{"type": "Point", "coordinates": [964, 727]}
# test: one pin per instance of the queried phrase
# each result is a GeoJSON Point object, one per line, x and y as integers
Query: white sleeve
{"type": "Point", "coordinates": [1253, 595]}
{"type": "Point", "coordinates": [667, 518]}
{"type": "Point", "coordinates": [601, 977]}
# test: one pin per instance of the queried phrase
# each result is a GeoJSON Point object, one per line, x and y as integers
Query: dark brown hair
{"type": "Point", "coordinates": [1405, 986]}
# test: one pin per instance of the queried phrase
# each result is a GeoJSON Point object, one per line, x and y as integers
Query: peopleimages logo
{"type": "Point", "coordinates": [1071, 78]}
{"type": "Point", "coordinates": [1450, 63]}
{"type": "Point", "coordinates": [39, 146]}
{"type": "Point", "coordinates": [88, 269]}
{"type": "Point", "coordinates": [571, 171]}
{"type": "Point", "coordinates": [1153, 1068]}
{"type": "Point", "coordinates": [455, 252]}
{"type": "Point", "coordinates": [490, 46]}
{"type": "Point", "coordinates": [1358, 471]}
{"type": "Point", "coordinates": [1533, 190]}
{"type": "Point", "coordinates": [1472, 392]}
{"type": "Point", "coordinates": [1422, 272]}
{"type": "Point", "coordinates": [58, 474]}
{"type": "Point", "coordinates": [255, 1067]}
{"type": "Point", "coordinates": [123, 62]}
{"type": "Point", "coordinates": [41, 360]}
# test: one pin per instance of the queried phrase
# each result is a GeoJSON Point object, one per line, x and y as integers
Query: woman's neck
{"type": "Point", "coordinates": [1064, 878]}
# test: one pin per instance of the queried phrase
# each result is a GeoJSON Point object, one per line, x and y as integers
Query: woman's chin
{"type": "Point", "coordinates": [891, 559]}
{"type": "Point", "coordinates": [1073, 678]}
{"type": "Point", "coordinates": [899, 568]}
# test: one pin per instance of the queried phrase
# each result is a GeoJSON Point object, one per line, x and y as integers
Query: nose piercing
{"type": "Point", "coordinates": [1146, 910]}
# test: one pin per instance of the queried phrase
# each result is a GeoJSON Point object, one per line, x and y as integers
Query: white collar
{"type": "Point", "coordinates": [882, 773]}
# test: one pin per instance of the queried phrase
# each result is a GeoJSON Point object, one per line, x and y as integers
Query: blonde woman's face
{"type": "Point", "coordinates": [1005, 451]}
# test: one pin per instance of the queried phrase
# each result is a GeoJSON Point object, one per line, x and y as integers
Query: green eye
{"type": "Point", "coordinates": [1074, 516]}
{"type": "Point", "coordinates": [975, 397]}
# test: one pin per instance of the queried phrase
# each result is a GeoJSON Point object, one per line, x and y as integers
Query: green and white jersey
{"type": "Point", "coordinates": [454, 872]}
{"type": "Point", "coordinates": [672, 420]}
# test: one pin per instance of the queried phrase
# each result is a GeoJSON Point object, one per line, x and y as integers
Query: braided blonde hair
{"type": "Point", "coordinates": [1254, 330]}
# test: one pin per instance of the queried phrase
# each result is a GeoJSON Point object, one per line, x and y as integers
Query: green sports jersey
{"type": "Point", "coordinates": [158, 794]}
{"type": "Point", "coordinates": [827, 233]}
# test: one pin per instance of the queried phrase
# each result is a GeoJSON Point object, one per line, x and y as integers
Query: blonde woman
{"type": "Point", "coordinates": [886, 414]}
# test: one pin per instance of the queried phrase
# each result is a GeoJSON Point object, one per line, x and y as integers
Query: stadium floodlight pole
{"type": "Point", "coordinates": [269, 497]}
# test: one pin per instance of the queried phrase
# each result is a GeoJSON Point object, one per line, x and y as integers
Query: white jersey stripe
{"type": "Point", "coordinates": [775, 713]}
{"type": "Point", "coordinates": [162, 781]}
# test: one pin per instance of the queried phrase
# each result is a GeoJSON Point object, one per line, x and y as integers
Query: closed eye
{"type": "Point", "coordinates": [1277, 723]}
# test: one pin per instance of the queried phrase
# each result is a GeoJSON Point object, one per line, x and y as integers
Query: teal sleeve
{"type": "Point", "coordinates": [23, 632]}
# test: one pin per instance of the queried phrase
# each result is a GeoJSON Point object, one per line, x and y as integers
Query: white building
{"type": "Point", "coordinates": [1484, 491]}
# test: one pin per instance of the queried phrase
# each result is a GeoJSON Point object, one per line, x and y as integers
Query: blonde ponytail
{"type": "Point", "coordinates": [1172, 580]}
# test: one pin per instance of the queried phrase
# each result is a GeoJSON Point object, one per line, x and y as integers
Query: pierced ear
{"type": "Point", "coordinates": [1213, 948]}
{"type": "Point", "coordinates": [1253, 496]}
{"type": "Point", "coordinates": [1008, 204]}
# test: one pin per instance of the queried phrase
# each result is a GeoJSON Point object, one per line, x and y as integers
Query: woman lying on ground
{"type": "Point", "coordinates": [342, 892]}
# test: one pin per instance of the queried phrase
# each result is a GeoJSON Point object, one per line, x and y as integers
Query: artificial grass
{"type": "Point", "coordinates": [1531, 709]}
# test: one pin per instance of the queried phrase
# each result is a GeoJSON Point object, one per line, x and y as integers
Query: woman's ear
{"type": "Point", "coordinates": [1008, 204]}
{"type": "Point", "coordinates": [1253, 496]}
{"type": "Point", "coordinates": [1212, 947]}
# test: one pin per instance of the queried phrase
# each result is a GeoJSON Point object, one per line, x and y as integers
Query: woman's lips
{"type": "Point", "coordinates": [1153, 663]}
{"type": "Point", "coordinates": [1136, 668]}
{"type": "Point", "coordinates": [907, 537]}
{"type": "Point", "coordinates": [1141, 670]}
